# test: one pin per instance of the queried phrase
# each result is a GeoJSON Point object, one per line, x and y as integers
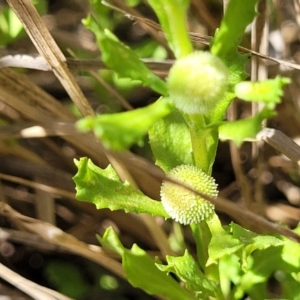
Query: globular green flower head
{"type": "Point", "coordinates": [197, 82]}
{"type": "Point", "coordinates": [182, 205]}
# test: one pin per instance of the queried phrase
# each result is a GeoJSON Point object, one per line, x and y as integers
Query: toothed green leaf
{"type": "Point", "coordinates": [104, 188]}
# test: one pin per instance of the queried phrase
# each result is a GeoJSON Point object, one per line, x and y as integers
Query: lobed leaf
{"type": "Point", "coordinates": [253, 241]}
{"type": "Point", "coordinates": [105, 190]}
{"type": "Point", "coordinates": [188, 271]}
{"type": "Point", "coordinates": [141, 271]}
{"type": "Point", "coordinates": [240, 130]}
{"type": "Point", "coordinates": [267, 91]}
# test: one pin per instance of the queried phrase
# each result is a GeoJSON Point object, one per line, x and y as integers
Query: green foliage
{"type": "Point", "coordinates": [225, 45]}
{"type": "Point", "coordinates": [141, 271]}
{"type": "Point", "coordinates": [120, 131]}
{"type": "Point", "coordinates": [187, 269]}
{"type": "Point", "coordinates": [11, 27]}
{"type": "Point", "coordinates": [170, 142]}
{"type": "Point", "coordinates": [267, 91]}
{"type": "Point", "coordinates": [244, 258]}
{"type": "Point", "coordinates": [122, 59]}
{"type": "Point", "coordinates": [239, 15]}
{"type": "Point", "coordinates": [231, 262]}
{"type": "Point", "coordinates": [241, 130]}
{"type": "Point", "coordinates": [105, 190]}
{"type": "Point", "coordinates": [227, 38]}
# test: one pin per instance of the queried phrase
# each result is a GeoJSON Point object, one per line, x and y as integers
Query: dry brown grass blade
{"type": "Point", "coordinates": [47, 47]}
{"type": "Point", "coordinates": [27, 61]}
{"type": "Point", "coordinates": [65, 241]}
{"type": "Point", "coordinates": [40, 186]}
{"type": "Point", "coordinates": [281, 142]}
{"type": "Point", "coordinates": [22, 152]}
{"type": "Point", "coordinates": [30, 288]}
{"type": "Point", "coordinates": [29, 100]}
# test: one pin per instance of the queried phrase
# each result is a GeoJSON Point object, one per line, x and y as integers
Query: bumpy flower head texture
{"type": "Point", "coordinates": [197, 82]}
{"type": "Point", "coordinates": [184, 206]}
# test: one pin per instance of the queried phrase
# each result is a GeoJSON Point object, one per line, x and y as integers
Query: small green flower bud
{"type": "Point", "coordinates": [182, 205]}
{"type": "Point", "coordinates": [197, 82]}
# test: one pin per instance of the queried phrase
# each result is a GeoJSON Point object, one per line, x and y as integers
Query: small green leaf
{"type": "Point", "coordinates": [172, 17]}
{"type": "Point", "coordinates": [240, 130]}
{"type": "Point", "coordinates": [238, 15]}
{"type": "Point", "coordinates": [222, 243]}
{"type": "Point", "coordinates": [291, 253]}
{"type": "Point", "coordinates": [253, 241]}
{"type": "Point", "coordinates": [111, 241]}
{"type": "Point", "coordinates": [268, 91]}
{"type": "Point", "coordinates": [225, 45]}
{"type": "Point", "coordinates": [230, 273]}
{"type": "Point", "coordinates": [188, 271]}
{"type": "Point", "coordinates": [105, 190]}
{"type": "Point", "coordinates": [264, 264]}
{"type": "Point", "coordinates": [120, 130]}
{"type": "Point", "coordinates": [141, 271]}
{"type": "Point", "coordinates": [171, 142]}
{"type": "Point", "coordinates": [236, 64]}
{"type": "Point", "coordinates": [11, 26]}
{"type": "Point", "coordinates": [122, 59]}
{"type": "Point", "coordinates": [281, 260]}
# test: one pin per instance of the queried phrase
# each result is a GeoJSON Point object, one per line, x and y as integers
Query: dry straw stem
{"type": "Point", "coordinates": [67, 242]}
{"type": "Point", "coordinates": [30, 288]}
{"type": "Point", "coordinates": [47, 47]}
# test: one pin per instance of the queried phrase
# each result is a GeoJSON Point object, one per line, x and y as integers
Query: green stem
{"type": "Point", "coordinates": [204, 142]}
{"type": "Point", "coordinates": [202, 238]}
{"type": "Point", "coordinates": [180, 37]}
{"type": "Point", "coordinates": [202, 234]}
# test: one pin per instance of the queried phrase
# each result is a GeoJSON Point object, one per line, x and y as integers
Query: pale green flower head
{"type": "Point", "coordinates": [182, 205]}
{"type": "Point", "coordinates": [197, 82]}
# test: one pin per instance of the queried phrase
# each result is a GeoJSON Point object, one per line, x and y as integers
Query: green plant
{"type": "Point", "coordinates": [11, 27]}
{"type": "Point", "coordinates": [184, 126]}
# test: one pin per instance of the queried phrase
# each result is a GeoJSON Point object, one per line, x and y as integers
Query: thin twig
{"type": "Point", "coordinates": [30, 288]}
